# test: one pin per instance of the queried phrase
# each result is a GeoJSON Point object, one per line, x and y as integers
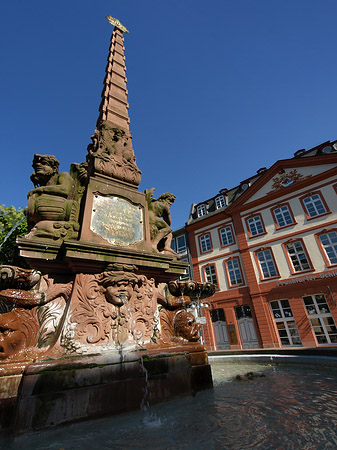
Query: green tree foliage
{"type": "Point", "coordinates": [9, 217]}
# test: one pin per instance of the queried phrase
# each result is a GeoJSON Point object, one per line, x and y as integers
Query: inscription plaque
{"type": "Point", "coordinates": [117, 220]}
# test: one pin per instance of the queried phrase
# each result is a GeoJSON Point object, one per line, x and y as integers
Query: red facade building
{"type": "Point", "coordinates": [270, 246]}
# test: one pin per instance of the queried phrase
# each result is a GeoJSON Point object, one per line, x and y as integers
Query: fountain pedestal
{"type": "Point", "coordinates": [98, 325]}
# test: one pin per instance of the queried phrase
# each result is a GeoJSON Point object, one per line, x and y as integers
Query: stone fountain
{"type": "Point", "coordinates": [97, 325]}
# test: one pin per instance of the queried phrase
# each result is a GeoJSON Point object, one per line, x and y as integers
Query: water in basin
{"type": "Point", "coordinates": [290, 407]}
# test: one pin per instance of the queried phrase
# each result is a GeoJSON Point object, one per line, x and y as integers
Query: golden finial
{"type": "Point", "coordinates": [117, 24]}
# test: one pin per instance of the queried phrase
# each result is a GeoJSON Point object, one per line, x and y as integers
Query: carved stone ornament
{"type": "Point", "coordinates": [111, 154]}
{"type": "Point", "coordinates": [286, 179]}
{"type": "Point", "coordinates": [178, 326]}
{"type": "Point", "coordinates": [92, 314]}
{"type": "Point", "coordinates": [33, 306]}
{"type": "Point", "coordinates": [160, 221]}
{"type": "Point", "coordinates": [109, 311]}
{"type": "Point", "coordinates": [54, 203]}
{"type": "Point", "coordinates": [193, 289]}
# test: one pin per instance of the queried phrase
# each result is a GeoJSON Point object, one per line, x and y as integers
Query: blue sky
{"type": "Point", "coordinates": [217, 89]}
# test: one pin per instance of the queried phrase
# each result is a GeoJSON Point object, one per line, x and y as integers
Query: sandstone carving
{"type": "Point", "coordinates": [18, 333]}
{"type": "Point", "coordinates": [160, 221]}
{"type": "Point", "coordinates": [177, 323]}
{"type": "Point", "coordinates": [178, 326]}
{"type": "Point", "coordinates": [54, 203]}
{"type": "Point", "coordinates": [193, 289]}
{"type": "Point", "coordinates": [107, 311]}
{"type": "Point", "coordinates": [32, 306]}
{"type": "Point", "coordinates": [13, 276]}
{"type": "Point", "coordinates": [96, 330]}
{"type": "Point", "coordinates": [110, 310]}
{"type": "Point", "coordinates": [111, 154]}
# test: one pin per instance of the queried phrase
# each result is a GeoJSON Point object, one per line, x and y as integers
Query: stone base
{"type": "Point", "coordinates": [51, 393]}
{"type": "Point", "coordinates": [84, 257]}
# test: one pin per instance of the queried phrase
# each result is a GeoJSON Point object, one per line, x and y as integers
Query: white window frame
{"type": "Point", "coordinates": [284, 315]}
{"type": "Point", "coordinates": [220, 201]}
{"type": "Point", "coordinates": [318, 311]}
{"type": "Point", "coordinates": [234, 273]}
{"type": "Point", "coordinates": [297, 256]}
{"type": "Point", "coordinates": [254, 223]}
{"type": "Point", "coordinates": [227, 233]}
{"type": "Point", "coordinates": [205, 243]}
{"type": "Point", "coordinates": [329, 247]}
{"type": "Point", "coordinates": [267, 263]}
{"type": "Point", "coordinates": [187, 274]}
{"type": "Point", "coordinates": [180, 248]}
{"type": "Point", "coordinates": [314, 202]}
{"type": "Point", "coordinates": [211, 276]}
{"type": "Point", "coordinates": [201, 210]}
{"type": "Point", "coordinates": [282, 213]}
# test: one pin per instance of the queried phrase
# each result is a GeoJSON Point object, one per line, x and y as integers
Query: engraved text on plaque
{"type": "Point", "coordinates": [117, 220]}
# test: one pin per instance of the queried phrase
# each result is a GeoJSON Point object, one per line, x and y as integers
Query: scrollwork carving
{"type": "Point", "coordinates": [110, 310]}
{"type": "Point", "coordinates": [111, 154]}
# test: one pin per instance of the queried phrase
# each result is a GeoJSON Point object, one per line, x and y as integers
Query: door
{"type": "Point", "coordinates": [220, 329]}
{"type": "Point", "coordinates": [246, 327]}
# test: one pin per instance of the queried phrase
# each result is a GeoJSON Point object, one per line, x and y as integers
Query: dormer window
{"type": "Point", "coordinates": [220, 201]}
{"type": "Point", "coordinates": [244, 185]}
{"type": "Point", "coordinates": [328, 149]}
{"type": "Point", "coordinates": [201, 210]}
{"type": "Point", "coordinates": [299, 152]}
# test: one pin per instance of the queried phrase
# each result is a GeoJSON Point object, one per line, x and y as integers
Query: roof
{"type": "Point", "coordinates": [233, 194]}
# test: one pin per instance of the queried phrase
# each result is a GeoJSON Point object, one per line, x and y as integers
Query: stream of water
{"type": "Point", "coordinates": [287, 407]}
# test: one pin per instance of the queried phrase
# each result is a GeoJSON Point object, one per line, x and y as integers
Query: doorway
{"type": "Point", "coordinates": [220, 329]}
{"type": "Point", "coordinates": [246, 327]}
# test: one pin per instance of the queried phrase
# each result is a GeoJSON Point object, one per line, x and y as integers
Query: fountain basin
{"type": "Point", "coordinates": [50, 393]}
{"type": "Point", "coordinates": [290, 407]}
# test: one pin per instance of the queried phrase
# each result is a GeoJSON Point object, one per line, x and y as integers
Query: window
{"type": "Point", "coordinates": [255, 225]}
{"type": "Point", "coordinates": [328, 242]}
{"type": "Point", "coordinates": [283, 216]}
{"type": "Point", "coordinates": [266, 263]}
{"type": "Point", "coordinates": [205, 243]}
{"type": "Point", "coordinates": [321, 319]}
{"type": "Point", "coordinates": [187, 274]}
{"type": "Point", "coordinates": [297, 255]}
{"type": "Point", "coordinates": [314, 205]}
{"type": "Point", "coordinates": [210, 275]}
{"type": "Point", "coordinates": [181, 244]}
{"type": "Point", "coordinates": [201, 210]}
{"type": "Point", "coordinates": [226, 236]}
{"type": "Point", "coordinates": [285, 323]}
{"type": "Point", "coordinates": [217, 315]}
{"type": "Point", "coordinates": [234, 272]}
{"type": "Point", "coordinates": [242, 311]}
{"type": "Point", "coordinates": [220, 202]}
{"type": "Point", "coordinates": [173, 245]}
